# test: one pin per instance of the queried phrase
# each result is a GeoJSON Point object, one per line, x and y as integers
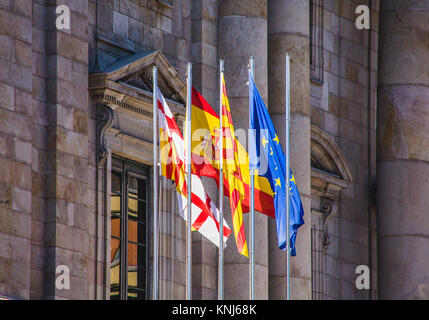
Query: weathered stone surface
{"type": "Point", "coordinates": [6, 48]}
{"type": "Point", "coordinates": [292, 39]}
{"type": "Point", "coordinates": [243, 26]}
{"type": "Point", "coordinates": [402, 123]}
{"type": "Point", "coordinates": [403, 160]}
{"type": "Point", "coordinates": [243, 8]}
{"type": "Point", "coordinates": [278, 45]}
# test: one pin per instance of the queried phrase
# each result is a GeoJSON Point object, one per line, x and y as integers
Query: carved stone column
{"type": "Point", "coordinates": [243, 33]}
{"type": "Point", "coordinates": [403, 156]}
{"type": "Point", "coordinates": [288, 31]}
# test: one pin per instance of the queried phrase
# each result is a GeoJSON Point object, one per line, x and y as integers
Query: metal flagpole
{"type": "Point", "coordinates": [155, 185]}
{"type": "Point", "coordinates": [287, 178]}
{"type": "Point", "coordinates": [220, 271]}
{"type": "Point", "coordinates": [252, 210]}
{"type": "Point", "coordinates": [189, 182]}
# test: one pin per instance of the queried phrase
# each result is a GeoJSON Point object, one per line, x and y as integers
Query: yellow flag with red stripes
{"type": "Point", "coordinates": [233, 174]}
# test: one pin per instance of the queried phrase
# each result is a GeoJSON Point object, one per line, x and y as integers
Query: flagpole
{"type": "Point", "coordinates": [221, 263]}
{"type": "Point", "coordinates": [287, 178]}
{"type": "Point", "coordinates": [155, 185]}
{"type": "Point", "coordinates": [189, 183]}
{"type": "Point", "coordinates": [252, 210]}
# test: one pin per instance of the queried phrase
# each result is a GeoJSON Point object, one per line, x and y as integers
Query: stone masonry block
{"type": "Point", "coordinates": [22, 151]}
{"type": "Point", "coordinates": [23, 54]}
{"type": "Point", "coordinates": [7, 97]}
{"type": "Point", "coordinates": [21, 200]}
{"type": "Point", "coordinates": [120, 24]}
{"type": "Point", "coordinates": [6, 47]}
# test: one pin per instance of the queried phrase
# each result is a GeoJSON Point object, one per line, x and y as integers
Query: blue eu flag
{"type": "Point", "coordinates": [271, 164]}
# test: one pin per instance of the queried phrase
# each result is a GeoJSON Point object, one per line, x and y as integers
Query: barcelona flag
{"type": "Point", "coordinates": [271, 163]}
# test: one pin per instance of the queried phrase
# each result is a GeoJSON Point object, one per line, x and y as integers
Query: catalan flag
{"type": "Point", "coordinates": [205, 215]}
{"type": "Point", "coordinates": [233, 174]}
{"type": "Point", "coordinates": [205, 124]}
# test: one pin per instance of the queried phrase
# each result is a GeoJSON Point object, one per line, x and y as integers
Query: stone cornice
{"type": "Point", "coordinates": [110, 87]}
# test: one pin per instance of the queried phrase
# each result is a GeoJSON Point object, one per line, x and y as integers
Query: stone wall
{"type": "Point", "coordinates": [345, 107]}
{"type": "Point", "coordinates": [17, 168]}
{"type": "Point", "coordinates": [51, 203]}
{"type": "Point", "coordinates": [67, 220]}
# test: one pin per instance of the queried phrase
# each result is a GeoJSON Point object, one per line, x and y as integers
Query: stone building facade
{"type": "Point", "coordinates": [76, 144]}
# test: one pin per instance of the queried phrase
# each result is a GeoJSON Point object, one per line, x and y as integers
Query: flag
{"type": "Point", "coordinates": [205, 215]}
{"type": "Point", "coordinates": [263, 134]}
{"type": "Point", "coordinates": [233, 173]}
{"type": "Point", "coordinates": [205, 122]}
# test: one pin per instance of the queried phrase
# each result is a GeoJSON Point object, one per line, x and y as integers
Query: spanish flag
{"type": "Point", "coordinates": [205, 124]}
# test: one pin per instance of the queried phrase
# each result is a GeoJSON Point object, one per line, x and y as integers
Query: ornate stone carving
{"type": "Point", "coordinates": [329, 175]}
{"type": "Point", "coordinates": [126, 85]}
{"type": "Point", "coordinates": [124, 89]}
{"type": "Point", "coordinates": [329, 209]}
{"type": "Point", "coordinates": [104, 121]}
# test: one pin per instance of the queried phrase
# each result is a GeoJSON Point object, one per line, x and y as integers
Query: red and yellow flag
{"type": "Point", "coordinates": [233, 174]}
{"type": "Point", "coordinates": [205, 124]}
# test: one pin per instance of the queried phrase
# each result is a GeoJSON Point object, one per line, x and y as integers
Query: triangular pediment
{"type": "Point", "coordinates": [127, 84]}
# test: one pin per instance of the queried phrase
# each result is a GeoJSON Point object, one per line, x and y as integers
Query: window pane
{"type": "Point", "coordinates": [136, 231]}
{"type": "Point", "coordinates": [137, 188]}
{"type": "Point", "coordinates": [133, 207]}
{"type": "Point", "coordinates": [116, 227]}
{"type": "Point", "coordinates": [115, 205]}
{"type": "Point", "coordinates": [137, 209]}
{"type": "Point", "coordinates": [115, 268]}
{"type": "Point", "coordinates": [115, 242]}
{"type": "Point", "coordinates": [135, 294]}
{"type": "Point", "coordinates": [133, 186]}
{"type": "Point", "coordinates": [136, 271]}
{"type": "Point", "coordinates": [116, 182]}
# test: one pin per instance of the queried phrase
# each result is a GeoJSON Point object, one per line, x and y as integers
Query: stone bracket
{"type": "Point", "coordinates": [329, 210]}
{"type": "Point", "coordinates": [105, 116]}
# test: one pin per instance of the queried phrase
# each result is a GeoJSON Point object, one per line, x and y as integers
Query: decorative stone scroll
{"type": "Point", "coordinates": [329, 175]}
{"type": "Point", "coordinates": [104, 121]}
{"type": "Point", "coordinates": [329, 209]}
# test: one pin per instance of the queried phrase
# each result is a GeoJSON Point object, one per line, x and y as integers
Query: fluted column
{"type": "Point", "coordinates": [243, 33]}
{"type": "Point", "coordinates": [288, 31]}
{"type": "Point", "coordinates": [403, 150]}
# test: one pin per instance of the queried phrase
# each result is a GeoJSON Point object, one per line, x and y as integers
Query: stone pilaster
{"type": "Point", "coordinates": [403, 144]}
{"type": "Point", "coordinates": [16, 145]}
{"type": "Point", "coordinates": [288, 31]}
{"type": "Point", "coordinates": [204, 56]}
{"type": "Point", "coordinates": [67, 240]}
{"type": "Point", "coordinates": [243, 33]}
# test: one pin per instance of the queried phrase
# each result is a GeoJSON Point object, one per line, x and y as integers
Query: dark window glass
{"type": "Point", "coordinates": [128, 273]}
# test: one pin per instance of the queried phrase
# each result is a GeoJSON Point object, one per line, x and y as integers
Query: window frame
{"type": "Point", "coordinates": [316, 41]}
{"type": "Point", "coordinates": [127, 169]}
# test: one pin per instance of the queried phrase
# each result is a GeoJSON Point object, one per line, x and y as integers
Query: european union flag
{"type": "Point", "coordinates": [273, 167]}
